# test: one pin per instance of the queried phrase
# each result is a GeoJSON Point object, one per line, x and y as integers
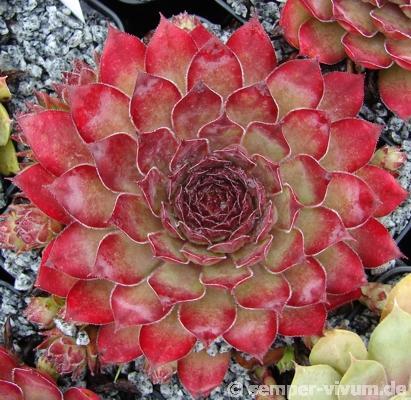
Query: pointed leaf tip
{"type": "Point", "coordinates": [252, 46]}
{"type": "Point", "coordinates": [122, 57]}
{"type": "Point", "coordinates": [169, 53]}
{"type": "Point", "coordinates": [217, 66]}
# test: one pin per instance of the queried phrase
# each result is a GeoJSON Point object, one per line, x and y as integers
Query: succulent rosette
{"type": "Point", "coordinates": [206, 193]}
{"type": "Point", "coordinates": [19, 382]}
{"type": "Point", "coordinates": [341, 359]}
{"type": "Point", "coordinates": [24, 227]}
{"type": "Point", "coordinates": [373, 33]}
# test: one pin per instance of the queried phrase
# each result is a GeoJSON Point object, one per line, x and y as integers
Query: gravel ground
{"type": "Point", "coordinates": [39, 40]}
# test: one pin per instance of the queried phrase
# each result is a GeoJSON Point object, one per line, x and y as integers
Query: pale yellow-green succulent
{"type": "Point", "coordinates": [343, 369]}
{"type": "Point", "coordinates": [8, 158]}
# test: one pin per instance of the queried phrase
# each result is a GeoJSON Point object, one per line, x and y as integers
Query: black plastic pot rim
{"type": "Point", "coordinates": [106, 11]}
{"type": "Point", "coordinates": [388, 275]}
{"type": "Point", "coordinates": [226, 7]}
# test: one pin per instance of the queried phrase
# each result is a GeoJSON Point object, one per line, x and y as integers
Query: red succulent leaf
{"type": "Point", "coordinates": [99, 110]}
{"type": "Point", "coordinates": [170, 223]}
{"type": "Point", "coordinates": [159, 346]}
{"type": "Point", "coordinates": [368, 52]}
{"type": "Point", "coordinates": [253, 331]}
{"type": "Point", "coordinates": [221, 133]}
{"type": "Point", "coordinates": [51, 280]}
{"type": "Point", "coordinates": [303, 321]}
{"type": "Point", "coordinates": [347, 134]}
{"type": "Point", "coordinates": [88, 302]}
{"type": "Point", "coordinates": [389, 82]}
{"type": "Point", "coordinates": [293, 15]}
{"type": "Point", "coordinates": [200, 255]}
{"type": "Point", "coordinates": [148, 110]}
{"type": "Point", "coordinates": [70, 78]}
{"type": "Point", "coordinates": [389, 192]}
{"type": "Point", "coordinates": [200, 373]}
{"type": "Point", "coordinates": [287, 207]}
{"type": "Point", "coordinates": [406, 9]}
{"type": "Point", "coordinates": [79, 187]}
{"type": "Point", "coordinates": [54, 140]}
{"type": "Point", "coordinates": [355, 17]}
{"type": "Point", "coordinates": [224, 274]}
{"type": "Point", "coordinates": [166, 247]}
{"type": "Point", "coordinates": [160, 374]}
{"type": "Point", "coordinates": [123, 55]}
{"type": "Point", "coordinates": [250, 104]}
{"type": "Point", "coordinates": [320, 9]}
{"type": "Point", "coordinates": [87, 75]}
{"type": "Point", "coordinates": [74, 251]}
{"type": "Point", "coordinates": [123, 261]}
{"type": "Point", "coordinates": [34, 181]}
{"type": "Point", "coordinates": [209, 317]}
{"type": "Point", "coordinates": [343, 267]}
{"type": "Point", "coordinates": [400, 51]}
{"type": "Point", "coordinates": [254, 49]}
{"type": "Point", "coordinates": [380, 250]}
{"type": "Point", "coordinates": [310, 191]}
{"type": "Point", "coordinates": [267, 172]}
{"type": "Point", "coordinates": [296, 84]}
{"type": "Point", "coordinates": [198, 107]}
{"type": "Point", "coordinates": [264, 226]}
{"type": "Point", "coordinates": [189, 152]}
{"type": "Point", "coordinates": [230, 246]}
{"type": "Point", "coordinates": [266, 140]}
{"type": "Point", "coordinates": [217, 66]}
{"type": "Point", "coordinates": [132, 215]}
{"type": "Point", "coordinates": [273, 291]}
{"type": "Point", "coordinates": [321, 228]}
{"type": "Point", "coordinates": [252, 253]}
{"type": "Point", "coordinates": [307, 281]}
{"type": "Point", "coordinates": [115, 158]}
{"type": "Point", "coordinates": [76, 393]}
{"type": "Point", "coordinates": [237, 156]}
{"type": "Point", "coordinates": [50, 102]}
{"type": "Point", "coordinates": [118, 345]}
{"type": "Point", "coordinates": [153, 186]}
{"type": "Point", "coordinates": [322, 41]}
{"type": "Point", "coordinates": [337, 300]}
{"type": "Point", "coordinates": [169, 53]}
{"type": "Point", "coordinates": [390, 20]}
{"type": "Point", "coordinates": [347, 193]}
{"type": "Point", "coordinates": [136, 305]}
{"type": "Point", "coordinates": [156, 149]}
{"type": "Point", "coordinates": [307, 131]}
{"type": "Point", "coordinates": [175, 283]}
{"type": "Point", "coordinates": [200, 35]}
{"type": "Point", "coordinates": [286, 250]}
{"type": "Point", "coordinates": [7, 363]}
{"type": "Point", "coordinates": [10, 391]}
{"type": "Point", "coordinates": [34, 385]}
{"type": "Point", "coordinates": [343, 95]}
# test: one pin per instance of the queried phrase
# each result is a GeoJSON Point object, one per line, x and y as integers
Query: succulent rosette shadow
{"type": "Point", "coordinates": [375, 34]}
{"type": "Point", "coordinates": [205, 193]}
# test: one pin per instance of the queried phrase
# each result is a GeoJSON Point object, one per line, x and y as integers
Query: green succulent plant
{"type": "Point", "coordinates": [342, 368]}
{"type": "Point", "coordinates": [8, 158]}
